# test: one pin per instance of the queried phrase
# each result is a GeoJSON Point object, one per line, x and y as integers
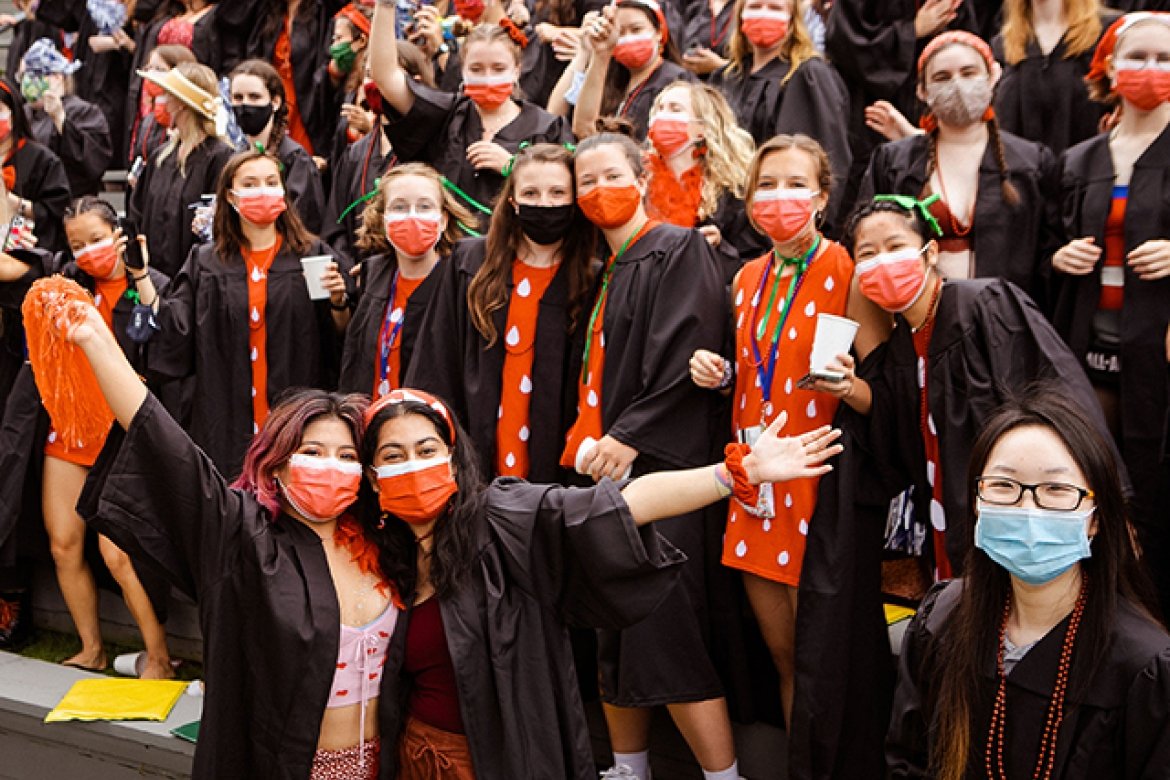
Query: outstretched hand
{"type": "Point", "coordinates": [776, 458]}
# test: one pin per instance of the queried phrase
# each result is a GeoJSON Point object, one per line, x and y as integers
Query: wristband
{"type": "Point", "coordinates": [723, 481]}
{"type": "Point", "coordinates": [343, 306]}
{"type": "Point", "coordinates": [140, 278]}
{"type": "Point", "coordinates": [728, 374]}
{"type": "Point", "coordinates": [744, 491]}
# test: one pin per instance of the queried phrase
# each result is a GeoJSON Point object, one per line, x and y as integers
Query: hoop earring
{"type": "Point", "coordinates": [382, 520]}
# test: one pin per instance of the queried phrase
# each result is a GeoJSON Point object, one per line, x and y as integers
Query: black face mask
{"type": "Point", "coordinates": [545, 224]}
{"type": "Point", "coordinates": [252, 119]}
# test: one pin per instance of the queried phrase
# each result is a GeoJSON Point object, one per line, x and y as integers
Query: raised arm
{"type": "Point", "coordinates": [384, 67]}
{"type": "Point", "coordinates": [601, 37]}
{"type": "Point", "coordinates": [772, 459]}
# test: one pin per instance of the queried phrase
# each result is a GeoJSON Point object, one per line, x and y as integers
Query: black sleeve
{"type": "Point", "coordinates": [303, 181]}
{"type": "Point", "coordinates": [85, 140]}
{"type": "Point", "coordinates": [171, 353]}
{"type": "Point", "coordinates": [1147, 721]}
{"type": "Point", "coordinates": [580, 550]}
{"type": "Point", "coordinates": [878, 53]}
{"type": "Point", "coordinates": [418, 135]}
{"type": "Point", "coordinates": [436, 364]}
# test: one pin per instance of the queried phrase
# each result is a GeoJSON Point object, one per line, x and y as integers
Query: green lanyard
{"type": "Point", "coordinates": [801, 265]}
{"type": "Point", "coordinates": [601, 296]}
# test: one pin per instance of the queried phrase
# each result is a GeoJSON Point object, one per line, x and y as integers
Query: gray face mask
{"type": "Point", "coordinates": [960, 101]}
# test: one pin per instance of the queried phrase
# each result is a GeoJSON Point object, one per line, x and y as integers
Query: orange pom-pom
{"type": "Point", "coordinates": [69, 390]}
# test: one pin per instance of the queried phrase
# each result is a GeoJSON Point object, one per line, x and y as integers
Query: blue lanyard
{"type": "Point", "coordinates": [387, 341]}
{"type": "Point", "coordinates": [766, 370]}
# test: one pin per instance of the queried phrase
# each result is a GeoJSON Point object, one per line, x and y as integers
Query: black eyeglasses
{"type": "Point", "coordinates": [1005, 491]}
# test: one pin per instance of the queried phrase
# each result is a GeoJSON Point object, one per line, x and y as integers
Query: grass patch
{"type": "Point", "coordinates": [55, 647]}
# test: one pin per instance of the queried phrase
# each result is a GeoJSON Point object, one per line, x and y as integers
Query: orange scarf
{"type": "Point", "coordinates": [671, 199]}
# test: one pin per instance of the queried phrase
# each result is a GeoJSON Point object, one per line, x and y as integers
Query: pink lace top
{"type": "Point", "coordinates": [360, 658]}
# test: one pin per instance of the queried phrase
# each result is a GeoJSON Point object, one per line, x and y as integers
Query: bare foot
{"type": "Point", "coordinates": [157, 669]}
{"type": "Point", "coordinates": [93, 660]}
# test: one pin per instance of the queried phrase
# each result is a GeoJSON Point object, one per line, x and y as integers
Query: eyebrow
{"type": "Point", "coordinates": [1010, 470]}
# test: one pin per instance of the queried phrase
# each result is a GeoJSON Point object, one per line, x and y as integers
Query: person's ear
{"type": "Point", "coordinates": [996, 74]}
{"type": "Point", "coordinates": [277, 102]}
{"type": "Point", "coordinates": [1110, 70]}
{"type": "Point", "coordinates": [931, 253]}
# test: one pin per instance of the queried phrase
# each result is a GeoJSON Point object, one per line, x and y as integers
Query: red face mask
{"type": "Point", "coordinates": [471, 10]}
{"type": "Point", "coordinates": [373, 97]}
{"type": "Point", "coordinates": [488, 92]}
{"type": "Point", "coordinates": [416, 491]}
{"type": "Point", "coordinates": [161, 114]}
{"type": "Point", "coordinates": [610, 207]}
{"type": "Point", "coordinates": [411, 234]}
{"type": "Point", "coordinates": [669, 133]}
{"type": "Point", "coordinates": [893, 280]}
{"type": "Point", "coordinates": [98, 260]}
{"type": "Point", "coordinates": [320, 489]}
{"type": "Point", "coordinates": [764, 28]}
{"type": "Point", "coordinates": [260, 205]}
{"type": "Point", "coordinates": [151, 90]}
{"type": "Point", "coordinates": [634, 51]}
{"type": "Point", "coordinates": [783, 213]}
{"type": "Point", "coordinates": [1146, 89]}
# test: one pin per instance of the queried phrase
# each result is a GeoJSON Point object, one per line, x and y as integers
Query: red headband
{"type": "Point", "coordinates": [956, 36]}
{"type": "Point", "coordinates": [1108, 41]}
{"type": "Point", "coordinates": [408, 395]}
{"type": "Point", "coordinates": [651, 5]}
{"type": "Point", "coordinates": [356, 17]}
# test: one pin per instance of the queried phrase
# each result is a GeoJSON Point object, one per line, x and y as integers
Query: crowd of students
{"type": "Point", "coordinates": [418, 316]}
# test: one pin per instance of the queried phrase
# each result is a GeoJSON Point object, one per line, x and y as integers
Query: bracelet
{"type": "Point", "coordinates": [140, 278]}
{"type": "Point", "coordinates": [723, 481]}
{"type": "Point", "coordinates": [343, 307]}
{"type": "Point", "coordinates": [728, 374]}
{"type": "Point", "coordinates": [744, 491]}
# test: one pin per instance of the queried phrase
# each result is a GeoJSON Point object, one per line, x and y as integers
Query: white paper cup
{"type": "Point", "coordinates": [583, 450]}
{"type": "Point", "coordinates": [834, 337]}
{"type": "Point", "coordinates": [314, 267]}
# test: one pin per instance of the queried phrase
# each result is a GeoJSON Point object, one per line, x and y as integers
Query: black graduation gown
{"type": "Point", "coordinates": [666, 299]}
{"type": "Point", "coordinates": [813, 102]}
{"type": "Point", "coordinates": [872, 44]}
{"type": "Point", "coordinates": [24, 35]}
{"type": "Point", "coordinates": [104, 78]}
{"type": "Point", "coordinates": [353, 176]}
{"type": "Point", "coordinates": [12, 348]}
{"type": "Point", "coordinates": [83, 144]}
{"type": "Point", "coordinates": [303, 182]}
{"type": "Point", "coordinates": [1043, 97]}
{"type": "Point", "coordinates": [989, 341]}
{"type": "Point", "coordinates": [1087, 187]}
{"type": "Point", "coordinates": [270, 618]}
{"type": "Point", "coordinates": [360, 357]}
{"type": "Point", "coordinates": [1010, 242]}
{"type": "Point", "coordinates": [160, 204]}
{"type": "Point", "coordinates": [1117, 715]}
{"type": "Point", "coordinates": [453, 361]}
{"type": "Point", "coordinates": [637, 111]}
{"type": "Point", "coordinates": [440, 126]}
{"type": "Point", "coordinates": [203, 323]}
{"type": "Point", "coordinates": [701, 32]}
{"type": "Point", "coordinates": [41, 179]}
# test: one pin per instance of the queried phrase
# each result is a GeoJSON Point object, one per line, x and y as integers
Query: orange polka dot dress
{"type": "Point", "coordinates": [529, 284]}
{"type": "Point", "coordinates": [258, 262]}
{"type": "Point", "coordinates": [773, 548]}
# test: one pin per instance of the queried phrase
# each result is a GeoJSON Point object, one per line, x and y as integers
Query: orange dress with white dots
{"type": "Point", "coordinates": [529, 284]}
{"type": "Point", "coordinates": [773, 548]}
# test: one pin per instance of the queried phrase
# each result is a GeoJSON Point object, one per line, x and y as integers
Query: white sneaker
{"type": "Point", "coordinates": [619, 771]}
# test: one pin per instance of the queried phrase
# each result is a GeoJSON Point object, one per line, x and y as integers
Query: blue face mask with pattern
{"type": "Point", "coordinates": [1033, 545]}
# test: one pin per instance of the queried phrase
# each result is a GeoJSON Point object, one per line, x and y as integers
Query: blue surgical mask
{"type": "Point", "coordinates": [1033, 545]}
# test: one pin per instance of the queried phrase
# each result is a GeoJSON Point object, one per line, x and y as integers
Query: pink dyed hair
{"type": "Point", "coordinates": [282, 433]}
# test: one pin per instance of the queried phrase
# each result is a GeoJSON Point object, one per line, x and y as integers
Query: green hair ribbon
{"type": "Point", "coordinates": [914, 204]}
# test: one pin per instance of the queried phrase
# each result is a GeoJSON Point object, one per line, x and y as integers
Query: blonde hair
{"type": "Point", "coordinates": [797, 47]}
{"type": "Point", "coordinates": [1082, 17]}
{"type": "Point", "coordinates": [371, 233]}
{"type": "Point", "coordinates": [186, 138]}
{"type": "Point", "coordinates": [729, 146]}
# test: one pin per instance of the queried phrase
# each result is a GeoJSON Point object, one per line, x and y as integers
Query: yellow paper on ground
{"type": "Point", "coordinates": [896, 614]}
{"type": "Point", "coordinates": [110, 698]}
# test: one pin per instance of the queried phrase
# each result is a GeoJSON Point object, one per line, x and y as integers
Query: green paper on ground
{"type": "Point", "coordinates": [188, 731]}
{"type": "Point", "coordinates": [109, 698]}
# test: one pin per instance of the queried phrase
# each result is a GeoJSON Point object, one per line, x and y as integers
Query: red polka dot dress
{"type": "Point", "coordinates": [529, 284]}
{"type": "Point", "coordinates": [773, 548]}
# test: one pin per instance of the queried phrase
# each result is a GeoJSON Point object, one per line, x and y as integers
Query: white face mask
{"type": "Point", "coordinates": [410, 466]}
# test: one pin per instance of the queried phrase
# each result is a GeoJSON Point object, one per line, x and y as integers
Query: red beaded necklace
{"type": "Point", "coordinates": [1046, 759]}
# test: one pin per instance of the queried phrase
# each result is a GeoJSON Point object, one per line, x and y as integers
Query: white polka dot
{"type": "Point", "coordinates": [255, 314]}
{"type": "Point", "coordinates": [782, 558]}
{"type": "Point", "coordinates": [788, 385]}
{"type": "Point", "coordinates": [396, 316]}
{"type": "Point", "coordinates": [788, 500]}
{"type": "Point", "coordinates": [52, 436]}
{"type": "Point", "coordinates": [524, 433]}
{"type": "Point", "coordinates": [741, 548]}
{"type": "Point", "coordinates": [743, 402]}
{"type": "Point", "coordinates": [513, 337]}
{"type": "Point", "coordinates": [253, 392]}
{"type": "Point", "coordinates": [829, 283]}
{"type": "Point", "coordinates": [755, 300]}
{"type": "Point", "coordinates": [97, 300]}
{"type": "Point", "coordinates": [938, 516]}
{"type": "Point", "coordinates": [739, 298]}
{"type": "Point", "coordinates": [510, 460]}
{"type": "Point", "coordinates": [524, 289]}
{"type": "Point", "coordinates": [811, 309]}
{"type": "Point", "coordinates": [255, 355]}
{"type": "Point", "coordinates": [745, 352]}
{"type": "Point", "coordinates": [758, 379]}
{"type": "Point", "coordinates": [601, 339]}
{"type": "Point", "coordinates": [792, 333]}
{"type": "Point", "coordinates": [767, 525]}
{"type": "Point", "coordinates": [739, 321]}
{"type": "Point", "coordinates": [811, 411]}
{"type": "Point", "coordinates": [592, 398]}
{"type": "Point", "coordinates": [525, 384]}
{"type": "Point", "coordinates": [257, 274]}
{"type": "Point", "coordinates": [921, 372]}
{"type": "Point", "coordinates": [930, 472]}
{"type": "Point", "coordinates": [930, 425]}
{"type": "Point", "coordinates": [500, 413]}
{"type": "Point", "coordinates": [803, 527]}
